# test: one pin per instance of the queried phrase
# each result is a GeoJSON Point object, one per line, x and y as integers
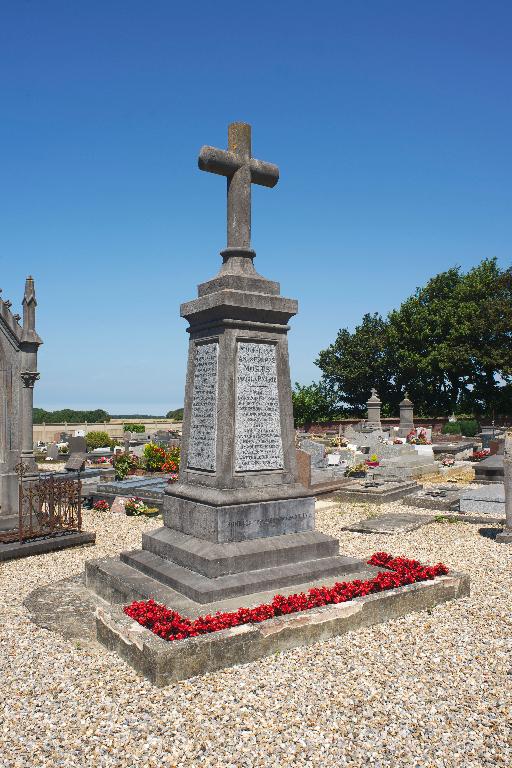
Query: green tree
{"type": "Point", "coordinates": [312, 403]}
{"type": "Point", "coordinates": [97, 440]}
{"type": "Point", "coordinates": [69, 415]}
{"type": "Point", "coordinates": [177, 415]}
{"type": "Point", "coordinates": [134, 428]}
{"type": "Point", "coordinates": [358, 361]}
{"type": "Point", "coordinates": [449, 345]}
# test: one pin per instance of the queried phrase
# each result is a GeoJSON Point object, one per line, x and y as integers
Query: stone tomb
{"type": "Point", "coordinates": [490, 470]}
{"type": "Point", "coordinates": [505, 536]}
{"type": "Point", "coordinates": [18, 373]}
{"type": "Point", "coordinates": [390, 524]}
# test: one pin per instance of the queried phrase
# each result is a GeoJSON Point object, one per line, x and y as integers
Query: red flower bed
{"type": "Point", "coordinates": [170, 625]}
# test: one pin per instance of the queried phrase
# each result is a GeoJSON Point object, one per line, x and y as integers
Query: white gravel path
{"type": "Point", "coordinates": [430, 690]}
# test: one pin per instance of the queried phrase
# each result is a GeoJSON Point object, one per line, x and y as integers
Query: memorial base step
{"type": "Point", "coordinates": [214, 560]}
{"type": "Point", "coordinates": [117, 582]}
{"type": "Point", "coordinates": [205, 590]}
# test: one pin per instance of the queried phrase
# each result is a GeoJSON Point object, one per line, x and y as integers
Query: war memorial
{"type": "Point", "coordinates": [238, 526]}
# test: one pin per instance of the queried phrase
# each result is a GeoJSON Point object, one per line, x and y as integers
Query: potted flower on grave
{"type": "Point", "coordinates": [101, 505]}
{"type": "Point", "coordinates": [373, 461]}
{"type": "Point", "coordinates": [136, 507]}
{"type": "Point", "coordinates": [358, 470]}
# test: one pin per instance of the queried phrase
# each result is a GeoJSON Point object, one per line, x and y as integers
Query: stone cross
{"type": "Point", "coordinates": [241, 171]}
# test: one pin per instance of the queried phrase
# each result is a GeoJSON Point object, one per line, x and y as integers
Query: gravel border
{"type": "Point", "coordinates": [431, 689]}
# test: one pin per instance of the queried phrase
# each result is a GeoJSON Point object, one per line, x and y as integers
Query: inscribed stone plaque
{"type": "Point", "coordinates": [258, 443]}
{"type": "Point", "coordinates": [203, 426]}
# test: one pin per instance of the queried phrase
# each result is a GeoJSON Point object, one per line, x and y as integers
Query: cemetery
{"type": "Point", "coordinates": [277, 573]}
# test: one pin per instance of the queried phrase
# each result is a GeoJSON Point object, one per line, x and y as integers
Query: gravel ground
{"type": "Point", "coordinates": [432, 689]}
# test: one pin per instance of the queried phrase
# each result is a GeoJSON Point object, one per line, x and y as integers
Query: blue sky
{"type": "Point", "coordinates": [391, 123]}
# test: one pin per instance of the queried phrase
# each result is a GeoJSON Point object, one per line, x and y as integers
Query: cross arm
{"type": "Point", "coordinates": [226, 163]}
{"type": "Point", "coordinates": [218, 161]}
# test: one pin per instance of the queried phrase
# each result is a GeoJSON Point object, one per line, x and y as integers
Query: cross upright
{"type": "Point", "coordinates": [241, 171]}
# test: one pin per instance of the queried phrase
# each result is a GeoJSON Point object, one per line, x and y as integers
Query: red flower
{"type": "Point", "coordinates": [170, 625]}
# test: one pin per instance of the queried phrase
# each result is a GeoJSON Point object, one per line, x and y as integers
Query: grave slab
{"type": "Point", "coordinates": [426, 499]}
{"type": "Point", "coordinates": [488, 500]}
{"type": "Point", "coordinates": [389, 524]}
{"type": "Point", "coordinates": [384, 492]}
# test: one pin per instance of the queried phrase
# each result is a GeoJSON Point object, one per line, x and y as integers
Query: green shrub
{"type": "Point", "coordinates": [468, 427]}
{"type": "Point", "coordinates": [451, 428]}
{"type": "Point", "coordinates": [97, 440]}
{"type": "Point", "coordinates": [154, 457]}
{"type": "Point", "coordinates": [124, 463]}
{"type": "Point", "coordinates": [134, 428]}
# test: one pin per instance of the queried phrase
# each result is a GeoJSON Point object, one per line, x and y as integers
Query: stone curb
{"type": "Point", "coordinates": [164, 662]}
{"type": "Point", "coordinates": [42, 546]}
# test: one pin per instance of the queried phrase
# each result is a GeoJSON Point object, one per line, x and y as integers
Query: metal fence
{"type": "Point", "coordinates": [48, 505]}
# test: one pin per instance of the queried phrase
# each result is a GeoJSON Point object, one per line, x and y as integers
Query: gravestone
{"type": "Point", "coordinates": [77, 445]}
{"type": "Point", "coordinates": [488, 500]}
{"type": "Point", "coordinates": [406, 417]}
{"type": "Point", "coordinates": [373, 405]}
{"type": "Point", "coordinates": [53, 452]}
{"type": "Point", "coordinates": [390, 524]}
{"type": "Point", "coordinates": [18, 373]}
{"type": "Point", "coordinates": [316, 451]}
{"type": "Point", "coordinates": [238, 479]}
{"type": "Point", "coordinates": [118, 505]}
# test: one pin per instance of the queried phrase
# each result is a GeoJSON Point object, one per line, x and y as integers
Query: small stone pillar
{"type": "Point", "coordinates": [406, 417]}
{"type": "Point", "coordinates": [28, 378]}
{"type": "Point", "coordinates": [30, 343]}
{"type": "Point", "coordinates": [373, 405]}
{"type": "Point", "coordinates": [505, 537]}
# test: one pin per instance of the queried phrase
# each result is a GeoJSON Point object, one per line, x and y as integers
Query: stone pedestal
{"type": "Point", "coordinates": [373, 405]}
{"type": "Point", "coordinates": [406, 417]}
{"type": "Point", "coordinates": [238, 491]}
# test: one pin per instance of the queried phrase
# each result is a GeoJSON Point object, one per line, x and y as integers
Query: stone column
{"type": "Point", "coordinates": [28, 378]}
{"type": "Point", "coordinates": [505, 537]}
{"type": "Point", "coordinates": [406, 417]}
{"type": "Point", "coordinates": [373, 405]}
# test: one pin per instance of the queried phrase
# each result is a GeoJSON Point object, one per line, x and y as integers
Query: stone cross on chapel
{"type": "Point", "coordinates": [241, 171]}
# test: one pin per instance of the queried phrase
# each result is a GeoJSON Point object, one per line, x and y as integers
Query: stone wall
{"type": "Point", "coordinates": [50, 432]}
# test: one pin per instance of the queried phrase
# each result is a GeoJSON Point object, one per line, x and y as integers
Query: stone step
{"type": "Point", "coordinates": [214, 560]}
{"type": "Point", "coordinates": [204, 590]}
{"type": "Point", "coordinates": [117, 582]}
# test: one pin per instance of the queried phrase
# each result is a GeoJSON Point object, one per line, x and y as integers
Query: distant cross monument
{"type": "Point", "coordinates": [241, 171]}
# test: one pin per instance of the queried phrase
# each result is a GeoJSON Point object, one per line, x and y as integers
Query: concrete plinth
{"type": "Point", "coordinates": [14, 550]}
{"type": "Point", "coordinates": [164, 662]}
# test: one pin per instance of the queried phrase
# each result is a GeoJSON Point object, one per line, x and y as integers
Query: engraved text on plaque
{"type": "Point", "coordinates": [258, 444]}
{"type": "Point", "coordinates": [203, 425]}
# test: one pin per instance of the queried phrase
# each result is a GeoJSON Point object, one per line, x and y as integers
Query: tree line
{"type": "Point", "coordinates": [449, 345]}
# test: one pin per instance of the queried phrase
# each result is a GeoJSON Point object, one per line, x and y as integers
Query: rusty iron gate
{"type": "Point", "coordinates": [48, 505]}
